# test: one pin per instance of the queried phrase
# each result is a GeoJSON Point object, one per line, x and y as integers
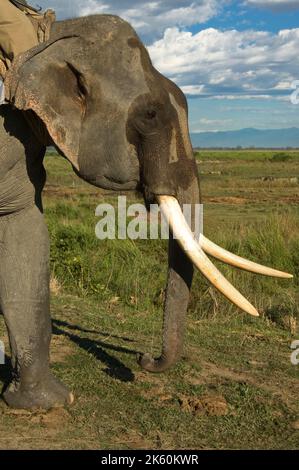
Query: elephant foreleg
{"type": "Point", "coordinates": [24, 293]}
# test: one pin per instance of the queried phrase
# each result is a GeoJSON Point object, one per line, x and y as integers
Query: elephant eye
{"type": "Point", "coordinates": [81, 86]}
{"type": "Point", "coordinates": [82, 89]}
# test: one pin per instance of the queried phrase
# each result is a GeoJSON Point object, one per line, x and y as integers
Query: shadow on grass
{"type": "Point", "coordinates": [115, 368]}
{"type": "Point", "coordinates": [84, 330]}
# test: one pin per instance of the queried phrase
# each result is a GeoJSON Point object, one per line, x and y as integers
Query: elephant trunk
{"type": "Point", "coordinates": [180, 274]}
{"type": "Point", "coordinates": [179, 280]}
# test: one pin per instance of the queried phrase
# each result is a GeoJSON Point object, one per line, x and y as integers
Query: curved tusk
{"type": "Point", "coordinates": [181, 231]}
{"type": "Point", "coordinates": [234, 260]}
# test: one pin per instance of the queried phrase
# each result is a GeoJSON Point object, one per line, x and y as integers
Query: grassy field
{"type": "Point", "coordinates": [235, 386]}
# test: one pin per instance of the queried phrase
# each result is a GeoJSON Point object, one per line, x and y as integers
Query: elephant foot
{"type": "Point", "coordinates": [49, 393]}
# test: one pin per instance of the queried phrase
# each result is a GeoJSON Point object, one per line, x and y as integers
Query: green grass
{"type": "Point", "coordinates": [245, 154]}
{"type": "Point", "coordinates": [107, 299]}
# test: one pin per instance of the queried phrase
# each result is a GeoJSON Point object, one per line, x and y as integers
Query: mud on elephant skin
{"type": "Point", "coordinates": [93, 92]}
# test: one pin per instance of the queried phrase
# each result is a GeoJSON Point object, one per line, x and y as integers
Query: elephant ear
{"type": "Point", "coordinates": [45, 81]}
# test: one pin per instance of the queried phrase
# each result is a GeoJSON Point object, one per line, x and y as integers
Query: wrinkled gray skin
{"type": "Point", "coordinates": [93, 93]}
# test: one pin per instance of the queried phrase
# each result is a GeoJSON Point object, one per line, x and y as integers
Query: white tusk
{"type": "Point", "coordinates": [223, 255]}
{"type": "Point", "coordinates": [182, 233]}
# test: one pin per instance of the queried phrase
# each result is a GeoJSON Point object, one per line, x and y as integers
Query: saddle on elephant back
{"type": "Point", "coordinates": [21, 28]}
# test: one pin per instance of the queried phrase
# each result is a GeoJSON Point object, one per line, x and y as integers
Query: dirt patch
{"type": "Point", "coordinates": [134, 440]}
{"type": "Point", "coordinates": [293, 180]}
{"type": "Point", "coordinates": [227, 200]}
{"type": "Point", "coordinates": [290, 199]}
{"type": "Point", "coordinates": [22, 429]}
{"type": "Point", "coordinates": [209, 161]}
{"type": "Point", "coordinates": [158, 393]}
{"type": "Point", "coordinates": [212, 373]}
{"type": "Point", "coordinates": [295, 425]}
{"type": "Point", "coordinates": [53, 420]}
{"type": "Point", "coordinates": [210, 405]}
{"type": "Point", "coordinates": [60, 191]}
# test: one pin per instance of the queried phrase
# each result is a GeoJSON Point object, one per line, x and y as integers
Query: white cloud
{"type": "Point", "coordinates": [278, 5]}
{"type": "Point", "coordinates": [239, 96]}
{"type": "Point", "coordinates": [148, 17]}
{"type": "Point", "coordinates": [211, 125]}
{"type": "Point", "coordinates": [92, 7]}
{"type": "Point", "coordinates": [208, 122]}
{"type": "Point", "coordinates": [193, 89]}
{"type": "Point", "coordinates": [229, 62]}
{"type": "Point", "coordinates": [212, 62]}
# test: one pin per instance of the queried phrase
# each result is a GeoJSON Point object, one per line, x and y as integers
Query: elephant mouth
{"type": "Point", "coordinates": [196, 251]}
{"type": "Point", "coordinates": [109, 184]}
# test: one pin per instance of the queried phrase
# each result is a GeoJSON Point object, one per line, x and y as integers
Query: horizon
{"type": "Point", "coordinates": [286, 138]}
{"type": "Point", "coordinates": [248, 128]}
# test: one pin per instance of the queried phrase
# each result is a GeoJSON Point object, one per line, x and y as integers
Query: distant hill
{"type": "Point", "coordinates": [273, 138]}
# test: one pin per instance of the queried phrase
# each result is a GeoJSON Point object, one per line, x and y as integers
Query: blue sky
{"type": "Point", "coordinates": [238, 15]}
{"type": "Point", "coordinates": [235, 60]}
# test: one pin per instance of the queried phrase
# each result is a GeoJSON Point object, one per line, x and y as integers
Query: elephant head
{"type": "Point", "coordinates": [124, 126]}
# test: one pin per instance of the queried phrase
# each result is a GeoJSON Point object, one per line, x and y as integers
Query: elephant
{"type": "Point", "coordinates": [92, 92]}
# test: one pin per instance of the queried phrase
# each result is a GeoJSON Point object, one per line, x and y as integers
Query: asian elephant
{"type": "Point", "coordinates": [93, 93]}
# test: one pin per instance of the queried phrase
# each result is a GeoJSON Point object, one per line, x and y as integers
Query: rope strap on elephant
{"type": "Point", "coordinates": [23, 5]}
{"type": "Point", "coordinates": [21, 28]}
